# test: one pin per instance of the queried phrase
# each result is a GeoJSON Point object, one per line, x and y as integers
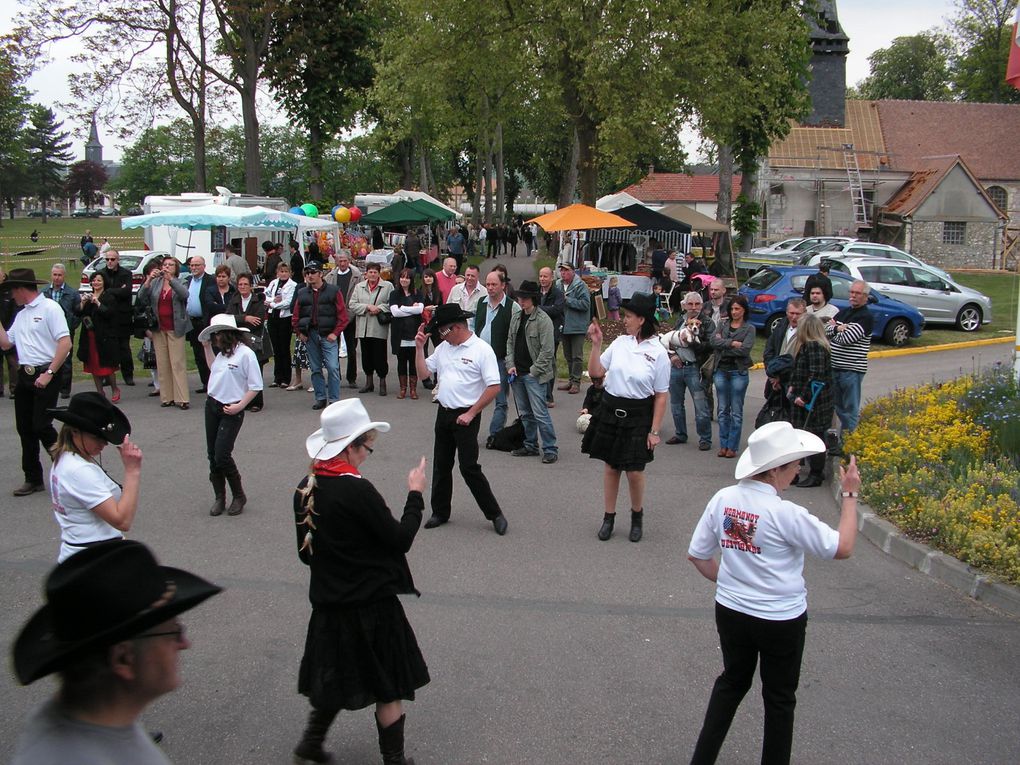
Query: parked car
{"type": "Point", "coordinates": [865, 250]}
{"type": "Point", "coordinates": [106, 212]}
{"type": "Point", "coordinates": [83, 212]}
{"type": "Point", "coordinates": [940, 299]}
{"type": "Point", "coordinates": [133, 260]}
{"type": "Point", "coordinates": [752, 261]}
{"type": "Point", "coordinates": [136, 210]}
{"type": "Point", "coordinates": [784, 244]}
{"type": "Point", "coordinates": [768, 291]}
{"type": "Point", "coordinates": [51, 213]}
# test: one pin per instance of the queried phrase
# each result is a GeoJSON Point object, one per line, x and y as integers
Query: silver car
{"type": "Point", "coordinates": [867, 250]}
{"type": "Point", "coordinates": [940, 300]}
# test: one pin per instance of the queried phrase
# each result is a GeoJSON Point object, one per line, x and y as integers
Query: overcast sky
{"type": "Point", "coordinates": [870, 24]}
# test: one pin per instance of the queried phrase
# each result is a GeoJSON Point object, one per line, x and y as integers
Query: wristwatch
{"type": "Point", "coordinates": [846, 494]}
{"type": "Point", "coordinates": [654, 432]}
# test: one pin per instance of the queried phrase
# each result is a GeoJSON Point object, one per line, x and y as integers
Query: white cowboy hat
{"type": "Point", "coordinates": [775, 444]}
{"type": "Point", "coordinates": [341, 422]}
{"type": "Point", "coordinates": [220, 322]}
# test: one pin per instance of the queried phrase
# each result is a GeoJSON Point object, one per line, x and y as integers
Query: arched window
{"type": "Point", "coordinates": [999, 196]}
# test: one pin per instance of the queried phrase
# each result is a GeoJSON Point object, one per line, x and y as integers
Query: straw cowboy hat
{"type": "Point", "coordinates": [341, 422]}
{"type": "Point", "coordinates": [93, 413]}
{"type": "Point", "coordinates": [219, 323]}
{"type": "Point", "coordinates": [108, 592]}
{"type": "Point", "coordinates": [775, 444]}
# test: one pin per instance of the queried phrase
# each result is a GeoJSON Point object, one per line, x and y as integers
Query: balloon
{"type": "Point", "coordinates": [355, 214]}
{"type": "Point", "coordinates": [310, 210]}
{"type": "Point", "coordinates": [297, 211]}
{"type": "Point", "coordinates": [363, 252]}
{"type": "Point", "coordinates": [342, 215]}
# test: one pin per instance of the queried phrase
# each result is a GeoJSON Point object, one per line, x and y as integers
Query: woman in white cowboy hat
{"type": "Point", "coordinates": [235, 378]}
{"type": "Point", "coordinates": [761, 601]}
{"type": "Point", "coordinates": [89, 506]}
{"type": "Point", "coordinates": [360, 649]}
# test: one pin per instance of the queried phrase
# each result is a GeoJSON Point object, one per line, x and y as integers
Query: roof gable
{"type": "Point", "coordinates": [680, 187]}
{"type": "Point", "coordinates": [909, 198]}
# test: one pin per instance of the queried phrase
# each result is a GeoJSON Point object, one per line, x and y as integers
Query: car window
{"type": "Point", "coordinates": [840, 288]}
{"type": "Point", "coordinates": [870, 274]}
{"type": "Point", "coordinates": [836, 265]}
{"type": "Point", "coordinates": [927, 280]}
{"type": "Point", "coordinates": [798, 282]}
{"type": "Point", "coordinates": [896, 275]}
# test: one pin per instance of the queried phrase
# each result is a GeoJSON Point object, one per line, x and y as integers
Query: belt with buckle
{"type": "Point", "coordinates": [621, 414]}
{"type": "Point", "coordinates": [30, 370]}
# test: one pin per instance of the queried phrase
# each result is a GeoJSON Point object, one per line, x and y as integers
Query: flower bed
{"type": "Point", "coordinates": [941, 462]}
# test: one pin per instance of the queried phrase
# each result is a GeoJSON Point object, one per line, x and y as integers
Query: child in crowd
{"type": "Point", "coordinates": [661, 309]}
{"type": "Point", "coordinates": [613, 299]}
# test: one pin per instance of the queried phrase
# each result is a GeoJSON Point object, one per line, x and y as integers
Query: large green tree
{"type": "Point", "coordinates": [14, 110]}
{"type": "Point", "coordinates": [914, 68]}
{"type": "Point", "coordinates": [86, 180]}
{"type": "Point", "coordinates": [48, 155]}
{"type": "Point", "coordinates": [160, 161]}
{"type": "Point", "coordinates": [982, 30]}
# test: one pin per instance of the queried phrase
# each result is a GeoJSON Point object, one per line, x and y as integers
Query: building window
{"type": "Point", "coordinates": [954, 232]}
{"type": "Point", "coordinates": [998, 195]}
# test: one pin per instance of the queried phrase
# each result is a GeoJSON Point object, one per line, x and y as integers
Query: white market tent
{"type": "Point", "coordinates": [611, 202]}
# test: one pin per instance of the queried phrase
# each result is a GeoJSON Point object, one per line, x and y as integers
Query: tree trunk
{"type": "Point", "coordinates": [250, 120]}
{"type": "Point", "coordinates": [487, 180]}
{"type": "Point", "coordinates": [568, 175]}
{"type": "Point", "coordinates": [587, 165]}
{"type": "Point", "coordinates": [500, 174]}
{"type": "Point", "coordinates": [406, 174]}
{"type": "Point", "coordinates": [196, 113]}
{"type": "Point", "coordinates": [433, 189]}
{"type": "Point", "coordinates": [724, 202]}
{"type": "Point", "coordinates": [476, 198]}
{"type": "Point", "coordinates": [423, 176]}
{"type": "Point", "coordinates": [315, 187]}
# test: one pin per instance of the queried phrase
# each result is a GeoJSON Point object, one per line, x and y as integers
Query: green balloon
{"type": "Point", "coordinates": [310, 210]}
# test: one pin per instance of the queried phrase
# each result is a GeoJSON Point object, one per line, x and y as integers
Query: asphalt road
{"type": "Point", "coordinates": [545, 646]}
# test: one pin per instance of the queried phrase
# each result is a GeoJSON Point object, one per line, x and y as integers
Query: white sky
{"type": "Point", "coordinates": [870, 24]}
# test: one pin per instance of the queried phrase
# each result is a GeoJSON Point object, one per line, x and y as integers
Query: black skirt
{"type": "Point", "coordinates": [618, 433]}
{"type": "Point", "coordinates": [359, 656]}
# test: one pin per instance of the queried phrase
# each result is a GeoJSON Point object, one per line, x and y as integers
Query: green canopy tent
{"type": "Point", "coordinates": [406, 213]}
{"type": "Point", "coordinates": [434, 211]}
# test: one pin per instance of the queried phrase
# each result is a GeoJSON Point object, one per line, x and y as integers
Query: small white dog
{"type": "Point", "coordinates": [583, 422]}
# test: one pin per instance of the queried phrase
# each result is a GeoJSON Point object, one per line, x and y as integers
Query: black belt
{"type": "Point", "coordinates": [457, 409]}
{"type": "Point", "coordinates": [34, 371]}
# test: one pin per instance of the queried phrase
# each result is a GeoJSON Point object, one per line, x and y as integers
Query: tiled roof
{"type": "Point", "coordinates": [921, 183]}
{"type": "Point", "coordinates": [680, 187]}
{"type": "Point", "coordinates": [985, 135]}
{"type": "Point", "coordinates": [821, 148]}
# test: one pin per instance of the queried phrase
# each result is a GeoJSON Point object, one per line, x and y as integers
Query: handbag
{"type": "Point", "coordinates": [383, 317]}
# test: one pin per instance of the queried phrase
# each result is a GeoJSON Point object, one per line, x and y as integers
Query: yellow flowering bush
{"type": "Point", "coordinates": [939, 461]}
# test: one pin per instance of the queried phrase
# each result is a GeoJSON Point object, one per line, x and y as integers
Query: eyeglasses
{"type": "Point", "coordinates": [178, 634]}
{"type": "Point", "coordinates": [368, 448]}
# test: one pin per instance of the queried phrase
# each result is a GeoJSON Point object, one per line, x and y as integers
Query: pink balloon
{"type": "Point", "coordinates": [355, 214]}
{"type": "Point", "coordinates": [363, 252]}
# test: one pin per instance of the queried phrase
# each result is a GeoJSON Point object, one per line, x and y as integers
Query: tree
{"type": "Point", "coordinates": [14, 109]}
{"type": "Point", "coordinates": [85, 180]}
{"type": "Point", "coordinates": [159, 162]}
{"type": "Point", "coordinates": [914, 68]}
{"type": "Point", "coordinates": [48, 154]}
{"type": "Point", "coordinates": [983, 31]}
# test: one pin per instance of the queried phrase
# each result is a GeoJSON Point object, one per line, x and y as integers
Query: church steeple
{"type": "Point", "coordinates": [94, 149]}
{"type": "Point", "coordinates": [829, 49]}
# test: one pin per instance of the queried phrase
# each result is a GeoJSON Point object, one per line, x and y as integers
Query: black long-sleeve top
{"type": "Point", "coordinates": [358, 548]}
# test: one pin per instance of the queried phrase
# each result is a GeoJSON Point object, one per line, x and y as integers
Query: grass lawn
{"type": "Point", "coordinates": [58, 241]}
{"type": "Point", "coordinates": [1003, 288]}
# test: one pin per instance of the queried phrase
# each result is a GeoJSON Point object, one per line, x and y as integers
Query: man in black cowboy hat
{"type": "Point", "coordinates": [43, 341]}
{"type": "Point", "coordinates": [110, 629]}
{"type": "Point", "coordinates": [470, 374]}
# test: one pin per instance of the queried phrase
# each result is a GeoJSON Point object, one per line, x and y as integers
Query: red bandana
{"type": "Point", "coordinates": [335, 466]}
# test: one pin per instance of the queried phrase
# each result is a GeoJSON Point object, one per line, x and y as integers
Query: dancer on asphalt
{"type": "Point", "coordinates": [235, 378]}
{"type": "Point", "coordinates": [470, 374]}
{"type": "Point", "coordinates": [360, 649]}
{"type": "Point", "coordinates": [760, 599]}
{"type": "Point", "coordinates": [88, 504]}
{"type": "Point", "coordinates": [625, 431]}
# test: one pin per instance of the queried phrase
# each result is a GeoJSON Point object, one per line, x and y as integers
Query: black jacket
{"type": "Point", "coordinates": [119, 287]}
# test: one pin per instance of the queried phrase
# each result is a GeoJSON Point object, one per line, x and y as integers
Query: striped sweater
{"type": "Point", "coordinates": [850, 347]}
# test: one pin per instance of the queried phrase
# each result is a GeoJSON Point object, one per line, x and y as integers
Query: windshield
{"type": "Point", "coordinates": [762, 280]}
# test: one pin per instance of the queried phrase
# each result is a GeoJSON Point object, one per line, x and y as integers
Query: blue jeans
{"type": "Point", "coordinates": [529, 394]}
{"type": "Point", "coordinates": [730, 387]}
{"type": "Point", "coordinates": [322, 352]}
{"type": "Point", "coordinates": [499, 413]}
{"type": "Point", "coordinates": [846, 395]}
{"type": "Point", "coordinates": [682, 379]}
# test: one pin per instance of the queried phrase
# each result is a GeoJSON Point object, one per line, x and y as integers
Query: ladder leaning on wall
{"type": "Point", "coordinates": [853, 174]}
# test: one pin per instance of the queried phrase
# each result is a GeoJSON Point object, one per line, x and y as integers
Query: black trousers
{"type": "Point", "coordinates": [461, 441]}
{"type": "Point", "coordinates": [743, 639]}
{"type": "Point", "coordinates": [127, 361]}
{"type": "Point", "coordinates": [34, 425]}
{"type": "Point", "coordinates": [374, 357]}
{"type": "Point", "coordinates": [280, 333]}
{"type": "Point", "coordinates": [405, 362]}
{"type": "Point", "coordinates": [351, 339]}
{"type": "Point", "coordinates": [197, 325]}
{"type": "Point", "coordinates": [221, 431]}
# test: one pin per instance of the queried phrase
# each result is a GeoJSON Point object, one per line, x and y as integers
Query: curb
{"type": "Point", "coordinates": [930, 348]}
{"type": "Point", "coordinates": [946, 569]}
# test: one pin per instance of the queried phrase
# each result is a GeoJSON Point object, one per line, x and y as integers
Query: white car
{"type": "Point", "coordinates": [133, 260]}
{"type": "Point", "coordinates": [868, 250]}
{"type": "Point", "coordinates": [940, 300]}
{"type": "Point", "coordinates": [783, 245]}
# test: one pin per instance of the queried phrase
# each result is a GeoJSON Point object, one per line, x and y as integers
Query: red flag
{"type": "Point", "coordinates": [1013, 67]}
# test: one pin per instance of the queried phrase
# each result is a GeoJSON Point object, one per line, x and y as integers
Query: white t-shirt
{"type": "Point", "coordinates": [77, 485]}
{"type": "Point", "coordinates": [230, 377]}
{"type": "Point", "coordinates": [763, 539]}
{"type": "Point", "coordinates": [36, 329]}
{"type": "Point", "coordinates": [826, 312]}
{"type": "Point", "coordinates": [466, 371]}
{"type": "Point", "coordinates": [635, 370]}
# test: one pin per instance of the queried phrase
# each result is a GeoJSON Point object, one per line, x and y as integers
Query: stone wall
{"type": "Point", "coordinates": [979, 251]}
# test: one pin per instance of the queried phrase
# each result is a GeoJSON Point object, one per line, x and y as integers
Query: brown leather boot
{"type": "Point", "coordinates": [237, 503]}
{"type": "Point", "coordinates": [412, 383]}
{"type": "Point", "coordinates": [403, 386]}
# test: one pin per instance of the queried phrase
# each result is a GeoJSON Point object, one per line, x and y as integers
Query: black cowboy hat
{"type": "Point", "coordinates": [529, 290]}
{"type": "Point", "coordinates": [447, 313]}
{"type": "Point", "coordinates": [93, 413]}
{"type": "Point", "coordinates": [312, 266]}
{"type": "Point", "coordinates": [642, 304]}
{"type": "Point", "coordinates": [21, 277]}
{"type": "Point", "coordinates": [104, 594]}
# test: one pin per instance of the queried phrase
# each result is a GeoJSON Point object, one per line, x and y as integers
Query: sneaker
{"type": "Point", "coordinates": [704, 446]}
{"type": "Point", "coordinates": [320, 404]}
{"type": "Point", "coordinates": [548, 459]}
{"type": "Point", "coordinates": [524, 452]}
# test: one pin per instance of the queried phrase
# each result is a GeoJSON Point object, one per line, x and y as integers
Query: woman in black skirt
{"type": "Point", "coordinates": [626, 428]}
{"type": "Point", "coordinates": [360, 649]}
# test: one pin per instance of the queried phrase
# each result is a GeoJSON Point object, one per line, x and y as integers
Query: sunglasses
{"type": "Point", "coordinates": [178, 634]}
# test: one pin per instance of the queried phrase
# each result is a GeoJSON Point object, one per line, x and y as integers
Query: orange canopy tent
{"type": "Point", "coordinates": [579, 218]}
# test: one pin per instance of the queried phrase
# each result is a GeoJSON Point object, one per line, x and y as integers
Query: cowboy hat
{"type": "Point", "coordinates": [219, 323]}
{"type": "Point", "coordinates": [21, 277]}
{"type": "Point", "coordinates": [529, 290]}
{"type": "Point", "coordinates": [93, 413]}
{"type": "Point", "coordinates": [641, 304]}
{"type": "Point", "coordinates": [447, 313]}
{"type": "Point", "coordinates": [108, 592]}
{"type": "Point", "coordinates": [341, 422]}
{"type": "Point", "coordinates": [775, 444]}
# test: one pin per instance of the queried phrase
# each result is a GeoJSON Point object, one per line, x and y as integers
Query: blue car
{"type": "Point", "coordinates": [769, 289]}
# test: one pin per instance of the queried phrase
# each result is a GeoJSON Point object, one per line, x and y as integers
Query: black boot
{"type": "Point", "coordinates": [382, 386]}
{"type": "Point", "coordinates": [369, 387]}
{"type": "Point", "coordinates": [391, 743]}
{"type": "Point", "coordinates": [636, 519]}
{"type": "Point", "coordinates": [237, 503]}
{"type": "Point", "coordinates": [219, 482]}
{"type": "Point", "coordinates": [606, 529]}
{"type": "Point", "coordinates": [309, 749]}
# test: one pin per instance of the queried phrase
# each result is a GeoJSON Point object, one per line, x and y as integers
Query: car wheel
{"type": "Point", "coordinates": [897, 332]}
{"type": "Point", "coordinates": [969, 318]}
{"type": "Point", "coordinates": [772, 322]}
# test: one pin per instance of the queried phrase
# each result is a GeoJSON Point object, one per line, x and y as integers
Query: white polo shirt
{"type": "Point", "coordinates": [466, 371]}
{"type": "Point", "coordinates": [76, 486]}
{"type": "Point", "coordinates": [636, 370]}
{"type": "Point", "coordinates": [36, 330]}
{"type": "Point", "coordinates": [763, 539]}
{"type": "Point", "coordinates": [230, 377]}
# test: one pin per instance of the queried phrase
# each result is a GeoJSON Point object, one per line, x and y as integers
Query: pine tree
{"type": "Point", "coordinates": [48, 155]}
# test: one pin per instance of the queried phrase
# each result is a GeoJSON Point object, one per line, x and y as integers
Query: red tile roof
{"type": "Point", "coordinates": [680, 187]}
